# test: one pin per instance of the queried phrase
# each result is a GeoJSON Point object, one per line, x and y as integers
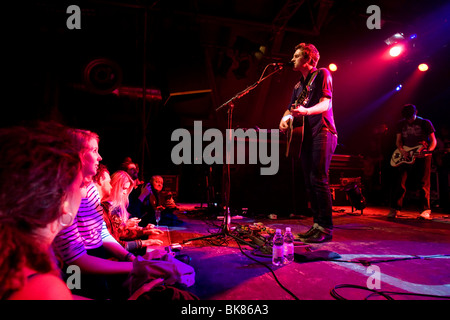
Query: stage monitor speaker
{"type": "Point", "coordinates": [282, 193]}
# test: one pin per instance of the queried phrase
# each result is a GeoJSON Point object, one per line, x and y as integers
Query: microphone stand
{"type": "Point", "coordinates": [226, 175]}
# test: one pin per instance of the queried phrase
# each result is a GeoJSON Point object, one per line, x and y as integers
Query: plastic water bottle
{"type": "Point", "coordinates": [288, 246]}
{"type": "Point", "coordinates": [277, 249]}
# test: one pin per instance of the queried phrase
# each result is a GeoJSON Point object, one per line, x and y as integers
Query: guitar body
{"type": "Point", "coordinates": [413, 152]}
{"type": "Point", "coordinates": [294, 135]}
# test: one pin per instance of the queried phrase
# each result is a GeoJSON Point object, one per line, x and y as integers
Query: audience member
{"type": "Point", "coordinates": [134, 205]}
{"type": "Point", "coordinates": [102, 181]}
{"type": "Point", "coordinates": [151, 198]}
{"type": "Point", "coordinates": [133, 170]}
{"type": "Point", "coordinates": [39, 195]}
{"type": "Point", "coordinates": [125, 230]}
{"type": "Point", "coordinates": [87, 242]}
{"type": "Point", "coordinates": [48, 201]}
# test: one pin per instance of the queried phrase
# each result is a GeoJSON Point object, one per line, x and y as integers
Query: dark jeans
{"type": "Point", "coordinates": [316, 158]}
{"type": "Point", "coordinates": [422, 169]}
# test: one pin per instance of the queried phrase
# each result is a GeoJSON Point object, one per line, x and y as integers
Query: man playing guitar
{"type": "Point", "coordinates": [413, 131]}
{"type": "Point", "coordinates": [409, 155]}
{"type": "Point", "coordinates": [311, 110]}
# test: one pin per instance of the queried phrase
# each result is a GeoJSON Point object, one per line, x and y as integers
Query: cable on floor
{"type": "Point", "coordinates": [270, 269]}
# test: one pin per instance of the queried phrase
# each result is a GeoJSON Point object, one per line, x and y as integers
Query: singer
{"type": "Point", "coordinates": [311, 110]}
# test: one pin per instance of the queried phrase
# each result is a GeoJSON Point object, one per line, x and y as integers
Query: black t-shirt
{"type": "Point", "coordinates": [414, 133]}
{"type": "Point", "coordinates": [321, 87]}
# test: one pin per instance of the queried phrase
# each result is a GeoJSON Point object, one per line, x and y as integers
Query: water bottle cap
{"type": "Point", "coordinates": [288, 229]}
{"type": "Point", "coordinates": [278, 231]}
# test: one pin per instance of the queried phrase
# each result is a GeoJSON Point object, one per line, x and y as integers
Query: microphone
{"type": "Point", "coordinates": [282, 64]}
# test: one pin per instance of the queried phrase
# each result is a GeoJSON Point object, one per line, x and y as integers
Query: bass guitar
{"type": "Point", "coordinates": [418, 151]}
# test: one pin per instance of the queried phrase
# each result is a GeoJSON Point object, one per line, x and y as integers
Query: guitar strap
{"type": "Point", "coordinates": [308, 85]}
{"type": "Point", "coordinates": [312, 79]}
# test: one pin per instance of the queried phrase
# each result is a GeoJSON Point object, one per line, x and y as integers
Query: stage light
{"type": "Point", "coordinates": [423, 67]}
{"type": "Point", "coordinates": [332, 67]}
{"type": "Point", "coordinates": [395, 51]}
{"type": "Point", "coordinates": [399, 87]}
{"type": "Point", "coordinates": [394, 39]}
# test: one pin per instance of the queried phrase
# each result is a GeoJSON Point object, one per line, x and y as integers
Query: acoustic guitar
{"type": "Point", "coordinates": [297, 132]}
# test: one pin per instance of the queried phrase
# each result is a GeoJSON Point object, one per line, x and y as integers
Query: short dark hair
{"type": "Point", "coordinates": [408, 111]}
{"type": "Point", "coordinates": [126, 162]}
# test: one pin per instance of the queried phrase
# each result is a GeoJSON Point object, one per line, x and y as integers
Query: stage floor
{"type": "Point", "coordinates": [405, 255]}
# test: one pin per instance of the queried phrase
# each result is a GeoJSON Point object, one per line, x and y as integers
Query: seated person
{"type": "Point", "coordinates": [40, 191]}
{"type": "Point", "coordinates": [114, 193]}
{"type": "Point", "coordinates": [151, 199]}
{"type": "Point", "coordinates": [134, 205]}
{"type": "Point", "coordinates": [86, 242]}
{"type": "Point", "coordinates": [133, 170]}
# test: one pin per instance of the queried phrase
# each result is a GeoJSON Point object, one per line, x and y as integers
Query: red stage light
{"type": "Point", "coordinates": [332, 67]}
{"type": "Point", "coordinates": [395, 51]}
{"type": "Point", "coordinates": [423, 67]}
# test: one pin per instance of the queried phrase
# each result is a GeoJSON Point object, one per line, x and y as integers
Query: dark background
{"type": "Point", "coordinates": [194, 55]}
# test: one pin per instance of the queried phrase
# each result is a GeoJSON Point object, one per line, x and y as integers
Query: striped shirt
{"type": "Point", "coordinates": [87, 231]}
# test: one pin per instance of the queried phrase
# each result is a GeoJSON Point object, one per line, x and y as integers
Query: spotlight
{"type": "Point", "coordinates": [394, 39]}
{"type": "Point", "coordinates": [332, 67]}
{"type": "Point", "coordinates": [423, 67]}
{"type": "Point", "coordinates": [395, 51]}
{"type": "Point", "coordinates": [399, 87]}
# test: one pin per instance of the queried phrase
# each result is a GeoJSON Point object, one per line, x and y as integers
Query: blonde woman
{"type": "Point", "coordinates": [118, 220]}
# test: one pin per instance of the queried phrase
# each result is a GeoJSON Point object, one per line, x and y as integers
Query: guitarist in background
{"type": "Point", "coordinates": [319, 136]}
{"type": "Point", "coordinates": [410, 132]}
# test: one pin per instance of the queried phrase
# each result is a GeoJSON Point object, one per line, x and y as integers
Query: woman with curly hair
{"type": "Point", "coordinates": [39, 196]}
